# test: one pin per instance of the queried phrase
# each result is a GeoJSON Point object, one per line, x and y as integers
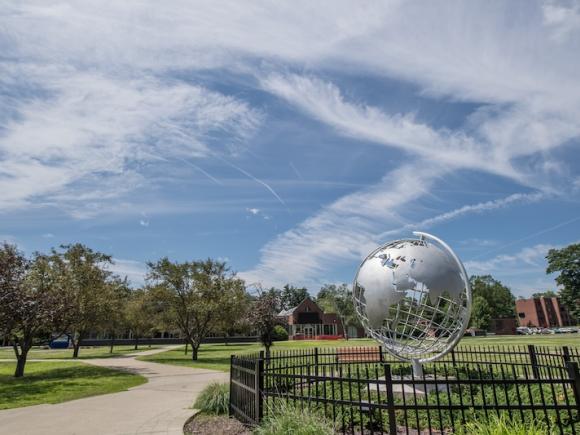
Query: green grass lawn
{"type": "Point", "coordinates": [84, 353]}
{"type": "Point", "coordinates": [55, 382]}
{"type": "Point", "coordinates": [217, 356]}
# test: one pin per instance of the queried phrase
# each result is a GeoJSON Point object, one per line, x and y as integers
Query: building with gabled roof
{"type": "Point", "coordinates": [307, 321]}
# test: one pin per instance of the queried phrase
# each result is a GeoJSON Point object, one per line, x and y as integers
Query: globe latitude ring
{"type": "Point", "coordinates": [414, 297]}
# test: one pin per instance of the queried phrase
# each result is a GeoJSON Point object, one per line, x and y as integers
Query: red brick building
{"type": "Point", "coordinates": [307, 321]}
{"type": "Point", "coordinates": [543, 312]}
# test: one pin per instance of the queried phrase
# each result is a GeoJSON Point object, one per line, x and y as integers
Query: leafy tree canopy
{"type": "Point", "coordinates": [566, 262]}
{"type": "Point", "coordinates": [291, 296]}
{"type": "Point", "coordinates": [499, 298]}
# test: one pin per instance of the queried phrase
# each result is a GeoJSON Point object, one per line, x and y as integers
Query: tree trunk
{"type": "Point", "coordinates": [20, 364]}
{"type": "Point", "coordinates": [267, 353]}
{"type": "Point", "coordinates": [136, 342]}
{"type": "Point", "coordinates": [344, 331]}
{"type": "Point", "coordinates": [194, 349]}
{"type": "Point", "coordinates": [186, 344]}
{"type": "Point", "coordinates": [77, 345]}
{"type": "Point", "coordinates": [112, 344]}
{"type": "Point", "coordinates": [21, 357]}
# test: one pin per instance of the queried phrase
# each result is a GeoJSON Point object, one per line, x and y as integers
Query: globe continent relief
{"type": "Point", "coordinates": [413, 296]}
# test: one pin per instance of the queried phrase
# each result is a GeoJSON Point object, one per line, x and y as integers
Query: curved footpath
{"type": "Point", "coordinates": [161, 406]}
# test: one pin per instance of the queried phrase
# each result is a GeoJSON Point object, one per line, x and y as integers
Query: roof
{"type": "Point", "coordinates": [289, 311]}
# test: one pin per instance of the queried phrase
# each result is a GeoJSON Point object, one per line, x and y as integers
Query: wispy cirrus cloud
{"type": "Point", "coordinates": [94, 137]}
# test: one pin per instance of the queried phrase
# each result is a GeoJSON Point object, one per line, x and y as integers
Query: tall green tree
{"type": "Point", "coordinates": [338, 299]}
{"type": "Point", "coordinates": [233, 316]}
{"type": "Point", "coordinates": [195, 294]}
{"type": "Point", "coordinates": [291, 296]}
{"type": "Point", "coordinates": [118, 294]}
{"type": "Point", "coordinates": [31, 301]}
{"type": "Point", "coordinates": [141, 314]}
{"type": "Point", "coordinates": [566, 261]}
{"type": "Point", "coordinates": [87, 287]}
{"type": "Point", "coordinates": [480, 313]}
{"type": "Point", "coordinates": [499, 298]}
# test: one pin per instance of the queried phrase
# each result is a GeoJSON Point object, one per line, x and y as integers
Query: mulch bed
{"type": "Point", "coordinates": [202, 424]}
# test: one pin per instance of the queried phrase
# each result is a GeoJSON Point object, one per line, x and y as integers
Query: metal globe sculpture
{"type": "Point", "coordinates": [413, 296]}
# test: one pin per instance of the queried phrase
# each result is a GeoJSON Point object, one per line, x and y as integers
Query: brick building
{"type": "Point", "coordinates": [543, 312]}
{"type": "Point", "coordinates": [307, 321]}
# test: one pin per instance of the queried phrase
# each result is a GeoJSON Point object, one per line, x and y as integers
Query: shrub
{"type": "Point", "coordinates": [214, 399]}
{"type": "Point", "coordinates": [279, 333]}
{"type": "Point", "coordinates": [287, 419]}
{"type": "Point", "coordinates": [504, 426]}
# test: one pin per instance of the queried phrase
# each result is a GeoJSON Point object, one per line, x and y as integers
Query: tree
{"type": "Point", "coordinates": [31, 301]}
{"type": "Point", "coordinates": [567, 262]}
{"type": "Point", "coordinates": [141, 314]}
{"type": "Point", "coordinates": [233, 315]}
{"type": "Point", "coordinates": [338, 299]}
{"type": "Point", "coordinates": [480, 313]}
{"type": "Point", "coordinates": [118, 293]}
{"type": "Point", "coordinates": [195, 294]}
{"type": "Point", "coordinates": [500, 300]}
{"type": "Point", "coordinates": [86, 285]}
{"type": "Point", "coordinates": [292, 296]}
{"type": "Point", "coordinates": [263, 316]}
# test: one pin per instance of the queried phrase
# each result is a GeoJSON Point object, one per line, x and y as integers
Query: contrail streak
{"type": "Point", "coordinates": [215, 180]}
{"type": "Point", "coordinates": [298, 174]}
{"type": "Point", "coordinates": [257, 180]}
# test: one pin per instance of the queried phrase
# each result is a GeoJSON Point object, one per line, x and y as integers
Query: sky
{"type": "Point", "coordinates": [292, 138]}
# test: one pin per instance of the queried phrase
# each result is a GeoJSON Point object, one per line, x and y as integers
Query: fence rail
{"type": "Point", "coordinates": [366, 390]}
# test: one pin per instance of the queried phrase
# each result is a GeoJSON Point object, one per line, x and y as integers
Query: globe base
{"type": "Point", "coordinates": [417, 369]}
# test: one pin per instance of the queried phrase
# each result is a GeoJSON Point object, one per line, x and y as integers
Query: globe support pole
{"type": "Point", "coordinates": [417, 368]}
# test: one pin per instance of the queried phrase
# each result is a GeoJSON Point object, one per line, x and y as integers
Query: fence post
{"type": "Point", "coordinates": [231, 385]}
{"type": "Point", "coordinates": [390, 399]}
{"type": "Point", "coordinates": [575, 378]}
{"type": "Point", "coordinates": [381, 357]}
{"type": "Point", "coordinates": [316, 362]}
{"type": "Point", "coordinates": [534, 361]}
{"type": "Point", "coordinates": [566, 354]}
{"type": "Point", "coordinates": [453, 357]}
{"type": "Point", "coordinates": [259, 387]}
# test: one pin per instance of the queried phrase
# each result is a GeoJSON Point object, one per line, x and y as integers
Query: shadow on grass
{"type": "Point", "coordinates": [47, 382]}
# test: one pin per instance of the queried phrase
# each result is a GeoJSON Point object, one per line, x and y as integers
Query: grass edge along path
{"type": "Point", "coordinates": [55, 382]}
{"type": "Point", "coordinates": [217, 356]}
{"type": "Point", "coordinates": [86, 352]}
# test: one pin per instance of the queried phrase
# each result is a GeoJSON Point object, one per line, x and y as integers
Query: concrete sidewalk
{"type": "Point", "coordinates": [160, 406]}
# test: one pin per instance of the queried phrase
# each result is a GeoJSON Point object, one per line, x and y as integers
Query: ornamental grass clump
{"type": "Point", "coordinates": [290, 420]}
{"type": "Point", "coordinates": [214, 399]}
{"type": "Point", "coordinates": [503, 425]}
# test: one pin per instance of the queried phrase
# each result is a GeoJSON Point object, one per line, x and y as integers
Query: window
{"type": "Point", "coordinates": [521, 315]}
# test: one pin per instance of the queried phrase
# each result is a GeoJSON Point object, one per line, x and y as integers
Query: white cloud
{"type": "Point", "coordinates": [99, 69]}
{"type": "Point", "coordinates": [516, 198]}
{"type": "Point", "coordinates": [561, 19]}
{"type": "Point", "coordinates": [253, 211]}
{"type": "Point", "coordinates": [94, 138]}
{"type": "Point", "coordinates": [524, 271]}
{"type": "Point", "coordinates": [345, 229]}
{"type": "Point", "coordinates": [135, 271]}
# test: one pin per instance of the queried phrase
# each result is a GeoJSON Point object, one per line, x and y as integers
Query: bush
{"type": "Point", "coordinates": [279, 333]}
{"type": "Point", "coordinates": [503, 425]}
{"type": "Point", "coordinates": [289, 420]}
{"type": "Point", "coordinates": [214, 399]}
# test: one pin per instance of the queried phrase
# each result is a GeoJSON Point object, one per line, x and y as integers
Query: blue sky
{"type": "Point", "coordinates": [292, 138]}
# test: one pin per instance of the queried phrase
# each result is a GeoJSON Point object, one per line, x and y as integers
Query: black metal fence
{"type": "Point", "coordinates": [365, 390]}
